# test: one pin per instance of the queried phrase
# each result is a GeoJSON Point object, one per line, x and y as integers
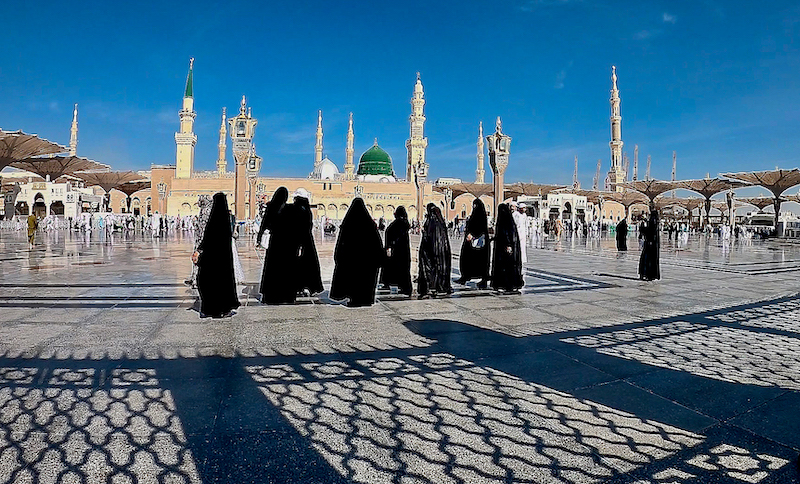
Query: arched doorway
{"type": "Point", "coordinates": [39, 207]}
{"type": "Point", "coordinates": [333, 212]}
{"type": "Point", "coordinates": [136, 206]}
{"type": "Point", "coordinates": [57, 208]}
{"type": "Point", "coordinates": [567, 213]}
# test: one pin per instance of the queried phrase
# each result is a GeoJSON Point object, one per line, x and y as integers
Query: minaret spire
{"type": "Point", "coordinates": [349, 167]}
{"type": "Point", "coordinates": [318, 145]}
{"type": "Point", "coordinates": [596, 180]}
{"type": "Point", "coordinates": [417, 142]}
{"type": "Point", "coordinates": [73, 133]}
{"type": "Point", "coordinates": [480, 173]}
{"type": "Point", "coordinates": [635, 162]}
{"type": "Point", "coordinates": [185, 139]}
{"type": "Point", "coordinates": [222, 164]}
{"type": "Point", "coordinates": [616, 174]}
{"type": "Point", "coordinates": [647, 173]}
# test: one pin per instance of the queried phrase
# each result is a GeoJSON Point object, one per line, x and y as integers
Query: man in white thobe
{"type": "Point", "coordinates": [521, 219]}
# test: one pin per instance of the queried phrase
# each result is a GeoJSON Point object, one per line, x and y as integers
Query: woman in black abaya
{"type": "Point", "coordinates": [358, 256]}
{"type": "Point", "coordinates": [474, 260]}
{"type": "Point", "coordinates": [649, 268]}
{"type": "Point", "coordinates": [434, 256]}
{"type": "Point", "coordinates": [397, 269]}
{"type": "Point", "coordinates": [214, 258]}
{"type": "Point", "coordinates": [622, 235]}
{"type": "Point", "coordinates": [308, 272]}
{"type": "Point", "coordinates": [507, 261]}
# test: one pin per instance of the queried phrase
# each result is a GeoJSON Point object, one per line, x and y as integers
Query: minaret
{"type": "Point", "coordinates": [417, 142]}
{"type": "Point", "coordinates": [616, 175]}
{"type": "Point", "coordinates": [647, 173]}
{"type": "Point", "coordinates": [186, 139]}
{"type": "Point", "coordinates": [479, 173]}
{"type": "Point", "coordinates": [349, 167]}
{"type": "Point", "coordinates": [222, 164]}
{"type": "Point", "coordinates": [635, 162]}
{"type": "Point", "coordinates": [73, 133]}
{"type": "Point", "coordinates": [674, 164]}
{"type": "Point", "coordinates": [575, 183]}
{"type": "Point", "coordinates": [318, 145]}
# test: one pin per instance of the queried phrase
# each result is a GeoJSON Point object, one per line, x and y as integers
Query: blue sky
{"type": "Point", "coordinates": [716, 81]}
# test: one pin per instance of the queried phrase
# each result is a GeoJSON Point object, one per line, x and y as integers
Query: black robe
{"type": "Point", "coordinates": [434, 255]}
{"type": "Point", "coordinates": [622, 235]}
{"type": "Point", "coordinates": [397, 268]}
{"type": "Point", "coordinates": [215, 279]}
{"type": "Point", "coordinates": [474, 262]}
{"type": "Point", "coordinates": [279, 282]}
{"type": "Point", "coordinates": [358, 256]}
{"type": "Point", "coordinates": [506, 266]}
{"type": "Point", "coordinates": [308, 272]}
{"type": "Point", "coordinates": [649, 268]}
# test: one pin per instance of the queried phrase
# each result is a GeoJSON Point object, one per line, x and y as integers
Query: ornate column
{"type": "Point", "coordinates": [242, 129]}
{"type": "Point", "coordinates": [499, 145]}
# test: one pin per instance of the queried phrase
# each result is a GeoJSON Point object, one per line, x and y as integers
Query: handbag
{"type": "Point", "coordinates": [479, 242]}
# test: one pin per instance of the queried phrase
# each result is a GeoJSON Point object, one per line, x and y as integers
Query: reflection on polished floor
{"type": "Point", "coordinates": [107, 373]}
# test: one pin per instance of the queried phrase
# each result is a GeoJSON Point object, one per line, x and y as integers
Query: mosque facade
{"type": "Point", "coordinates": [175, 188]}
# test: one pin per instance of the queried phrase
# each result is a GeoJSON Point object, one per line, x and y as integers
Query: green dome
{"type": "Point", "coordinates": [375, 161]}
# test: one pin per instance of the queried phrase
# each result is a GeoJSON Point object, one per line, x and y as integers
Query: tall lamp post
{"type": "Point", "coordinates": [420, 172]}
{"type": "Point", "coordinates": [243, 127]}
{"type": "Point", "coordinates": [253, 166]}
{"type": "Point", "coordinates": [499, 145]}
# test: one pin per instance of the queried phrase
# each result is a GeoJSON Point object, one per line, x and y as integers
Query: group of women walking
{"type": "Point", "coordinates": [291, 265]}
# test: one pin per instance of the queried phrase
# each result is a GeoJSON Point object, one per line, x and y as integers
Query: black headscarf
{"type": "Point", "coordinates": [358, 256]}
{"type": "Point", "coordinates": [397, 269]}
{"type": "Point", "coordinates": [474, 261]}
{"type": "Point", "coordinates": [215, 279]}
{"type": "Point", "coordinates": [434, 254]}
{"type": "Point", "coordinates": [274, 206]}
{"type": "Point", "coordinates": [506, 267]}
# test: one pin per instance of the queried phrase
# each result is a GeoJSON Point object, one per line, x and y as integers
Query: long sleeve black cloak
{"type": "Point", "coordinates": [622, 235]}
{"type": "Point", "coordinates": [358, 256]}
{"type": "Point", "coordinates": [279, 282]}
{"type": "Point", "coordinates": [474, 261]}
{"type": "Point", "coordinates": [649, 268]}
{"type": "Point", "coordinates": [434, 255]}
{"type": "Point", "coordinates": [215, 279]}
{"type": "Point", "coordinates": [507, 266]}
{"type": "Point", "coordinates": [308, 272]}
{"type": "Point", "coordinates": [397, 268]}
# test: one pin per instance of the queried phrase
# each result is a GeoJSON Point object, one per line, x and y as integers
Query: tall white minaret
{"type": "Point", "coordinates": [417, 142]}
{"type": "Point", "coordinates": [647, 173]}
{"type": "Point", "coordinates": [674, 164]}
{"type": "Point", "coordinates": [479, 173]}
{"type": "Point", "coordinates": [222, 164]}
{"type": "Point", "coordinates": [185, 139]}
{"type": "Point", "coordinates": [616, 174]}
{"type": "Point", "coordinates": [318, 145]}
{"type": "Point", "coordinates": [349, 167]}
{"type": "Point", "coordinates": [575, 183]}
{"type": "Point", "coordinates": [635, 162]}
{"type": "Point", "coordinates": [73, 133]}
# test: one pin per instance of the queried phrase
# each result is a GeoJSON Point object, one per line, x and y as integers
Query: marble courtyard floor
{"type": "Point", "coordinates": [108, 374]}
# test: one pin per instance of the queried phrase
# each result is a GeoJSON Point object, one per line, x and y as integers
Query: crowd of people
{"type": "Point", "coordinates": [368, 253]}
{"type": "Point", "coordinates": [362, 257]}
